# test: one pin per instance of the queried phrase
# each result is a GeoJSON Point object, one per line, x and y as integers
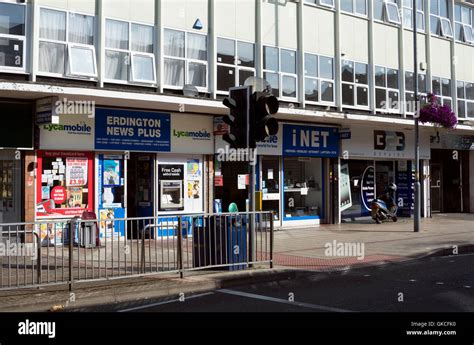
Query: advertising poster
{"type": "Point", "coordinates": [194, 189]}
{"type": "Point", "coordinates": [51, 234]}
{"type": "Point", "coordinates": [64, 180]}
{"type": "Point", "coordinates": [76, 172]}
{"type": "Point", "coordinates": [107, 223]}
{"type": "Point", "coordinates": [367, 189]}
{"type": "Point", "coordinates": [111, 172]}
{"type": "Point", "coordinates": [193, 170]}
{"type": "Point", "coordinates": [345, 188]}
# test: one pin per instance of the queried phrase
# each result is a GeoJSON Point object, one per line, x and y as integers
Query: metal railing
{"type": "Point", "coordinates": [72, 251]}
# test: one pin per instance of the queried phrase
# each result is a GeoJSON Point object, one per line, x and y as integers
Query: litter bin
{"type": "Point", "coordinates": [74, 222]}
{"type": "Point", "coordinates": [85, 234]}
{"type": "Point", "coordinates": [220, 241]}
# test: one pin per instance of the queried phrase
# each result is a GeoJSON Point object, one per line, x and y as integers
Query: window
{"type": "Point", "coordinates": [319, 79]}
{"type": "Point", "coordinates": [410, 90]}
{"type": "Point", "coordinates": [408, 14]}
{"type": "Point", "coordinates": [326, 3]}
{"type": "Point", "coordinates": [439, 19]}
{"type": "Point", "coordinates": [441, 87]}
{"type": "Point", "coordinates": [279, 69]}
{"type": "Point", "coordinates": [66, 44]}
{"type": "Point", "coordinates": [465, 93]}
{"type": "Point", "coordinates": [386, 10]}
{"type": "Point", "coordinates": [12, 36]}
{"type": "Point", "coordinates": [355, 83]}
{"type": "Point", "coordinates": [235, 63]}
{"type": "Point", "coordinates": [386, 89]}
{"type": "Point", "coordinates": [129, 52]}
{"type": "Point", "coordinates": [185, 59]}
{"type": "Point", "coordinates": [354, 6]}
{"type": "Point", "coordinates": [463, 24]}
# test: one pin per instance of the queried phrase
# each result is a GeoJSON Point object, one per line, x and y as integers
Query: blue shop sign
{"type": "Point", "coordinates": [132, 130]}
{"type": "Point", "coordinates": [310, 141]}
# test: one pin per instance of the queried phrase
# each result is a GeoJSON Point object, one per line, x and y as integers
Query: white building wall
{"type": "Point", "coordinates": [318, 31]}
{"type": "Point", "coordinates": [355, 40]}
{"type": "Point", "coordinates": [386, 45]}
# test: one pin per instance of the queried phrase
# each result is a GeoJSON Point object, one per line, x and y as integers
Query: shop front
{"type": "Point", "coordinates": [16, 145]}
{"type": "Point", "coordinates": [451, 166]}
{"type": "Point", "coordinates": [149, 163]}
{"type": "Point", "coordinates": [372, 159]}
{"type": "Point", "coordinates": [292, 173]}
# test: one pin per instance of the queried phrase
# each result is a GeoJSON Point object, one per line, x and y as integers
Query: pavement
{"type": "Point", "coordinates": [299, 252]}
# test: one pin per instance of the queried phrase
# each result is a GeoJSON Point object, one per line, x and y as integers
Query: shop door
{"type": "Point", "coordinates": [140, 185]}
{"type": "Point", "coordinates": [233, 188]}
{"type": "Point", "coordinates": [270, 185]}
{"type": "Point", "coordinates": [384, 175]}
{"type": "Point", "coordinates": [436, 187]}
{"type": "Point", "coordinates": [10, 189]}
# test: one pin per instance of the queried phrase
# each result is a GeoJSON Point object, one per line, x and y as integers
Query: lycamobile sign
{"type": "Point", "coordinates": [79, 128]}
{"type": "Point", "coordinates": [196, 135]}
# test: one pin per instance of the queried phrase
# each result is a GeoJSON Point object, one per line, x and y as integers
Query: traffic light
{"type": "Point", "coordinates": [262, 123]}
{"type": "Point", "coordinates": [238, 117]}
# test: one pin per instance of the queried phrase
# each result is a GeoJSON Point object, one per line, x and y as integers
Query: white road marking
{"type": "Point", "coordinates": [366, 275]}
{"type": "Point", "coordinates": [467, 286]}
{"type": "Point", "coordinates": [284, 301]}
{"type": "Point", "coordinates": [413, 280]}
{"type": "Point", "coordinates": [439, 283]}
{"type": "Point", "coordinates": [164, 302]}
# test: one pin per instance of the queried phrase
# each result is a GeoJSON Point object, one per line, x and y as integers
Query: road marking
{"type": "Point", "coordinates": [467, 286]}
{"type": "Point", "coordinates": [413, 280]}
{"type": "Point", "coordinates": [439, 283]}
{"type": "Point", "coordinates": [366, 275]}
{"type": "Point", "coordinates": [164, 302]}
{"type": "Point", "coordinates": [284, 301]}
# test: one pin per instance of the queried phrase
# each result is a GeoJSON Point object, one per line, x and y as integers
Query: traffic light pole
{"type": "Point", "coordinates": [252, 180]}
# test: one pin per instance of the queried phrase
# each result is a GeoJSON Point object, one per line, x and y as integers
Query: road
{"type": "Point", "coordinates": [437, 284]}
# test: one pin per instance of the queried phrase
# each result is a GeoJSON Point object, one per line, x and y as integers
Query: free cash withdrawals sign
{"type": "Point", "coordinates": [132, 130]}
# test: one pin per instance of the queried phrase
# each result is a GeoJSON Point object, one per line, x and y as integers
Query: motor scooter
{"type": "Point", "coordinates": [381, 212]}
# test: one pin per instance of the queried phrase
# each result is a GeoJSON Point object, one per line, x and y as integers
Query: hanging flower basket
{"type": "Point", "coordinates": [437, 114]}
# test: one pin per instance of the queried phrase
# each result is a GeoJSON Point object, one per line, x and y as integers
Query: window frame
{"type": "Point", "coordinates": [185, 59]}
{"type": "Point", "coordinates": [320, 80]}
{"type": "Point", "coordinates": [440, 95]}
{"type": "Point", "coordinates": [320, 3]}
{"type": "Point", "coordinates": [356, 85]}
{"type": "Point", "coordinates": [421, 94]}
{"type": "Point", "coordinates": [354, 9]}
{"type": "Point", "coordinates": [130, 75]}
{"type": "Point", "coordinates": [237, 68]}
{"type": "Point", "coordinates": [464, 27]}
{"type": "Point", "coordinates": [281, 74]}
{"type": "Point", "coordinates": [81, 46]}
{"type": "Point", "coordinates": [66, 43]}
{"type": "Point", "coordinates": [385, 13]}
{"type": "Point", "coordinates": [10, 69]}
{"type": "Point", "coordinates": [464, 99]}
{"type": "Point", "coordinates": [421, 12]}
{"type": "Point", "coordinates": [388, 90]}
{"type": "Point", "coordinates": [440, 19]}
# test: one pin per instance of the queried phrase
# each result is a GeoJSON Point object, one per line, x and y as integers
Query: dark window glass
{"type": "Point", "coordinates": [447, 101]}
{"type": "Point", "coordinates": [311, 65]}
{"type": "Point", "coordinates": [361, 73]}
{"type": "Point", "coordinates": [272, 79]}
{"type": "Point", "coordinates": [435, 25]}
{"type": "Point", "coordinates": [311, 90]}
{"type": "Point", "coordinates": [347, 73]}
{"type": "Point", "coordinates": [410, 102]}
{"type": "Point", "coordinates": [288, 61]}
{"type": "Point", "coordinates": [460, 89]}
{"type": "Point", "coordinates": [11, 52]}
{"type": "Point", "coordinates": [270, 58]}
{"type": "Point", "coordinates": [347, 94]}
{"type": "Point", "coordinates": [461, 109]}
{"type": "Point", "coordinates": [470, 109]}
{"type": "Point", "coordinates": [288, 86]}
{"type": "Point", "coordinates": [436, 86]}
{"type": "Point", "coordinates": [470, 91]}
{"type": "Point", "coordinates": [12, 19]}
{"type": "Point", "coordinates": [362, 96]}
{"type": "Point", "coordinates": [393, 99]}
{"type": "Point", "coordinates": [243, 75]}
{"type": "Point", "coordinates": [446, 87]}
{"type": "Point", "coordinates": [326, 69]}
{"type": "Point", "coordinates": [409, 81]}
{"type": "Point", "coordinates": [380, 98]}
{"type": "Point", "coordinates": [246, 54]}
{"type": "Point", "coordinates": [380, 76]}
{"type": "Point", "coordinates": [225, 51]}
{"type": "Point", "coordinates": [422, 83]}
{"type": "Point", "coordinates": [327, 91]}
{"type": "Point", "coordinates": [392, 78]}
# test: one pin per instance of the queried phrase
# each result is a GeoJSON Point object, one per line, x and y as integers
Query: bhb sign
{"type": "Point", "coordinates": [303, 140]}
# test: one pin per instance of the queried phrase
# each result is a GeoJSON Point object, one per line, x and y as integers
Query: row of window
{"type": "Point", "coordinates": [388, 11]}
{"type": "Point", "coordinates": [66, 47]}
